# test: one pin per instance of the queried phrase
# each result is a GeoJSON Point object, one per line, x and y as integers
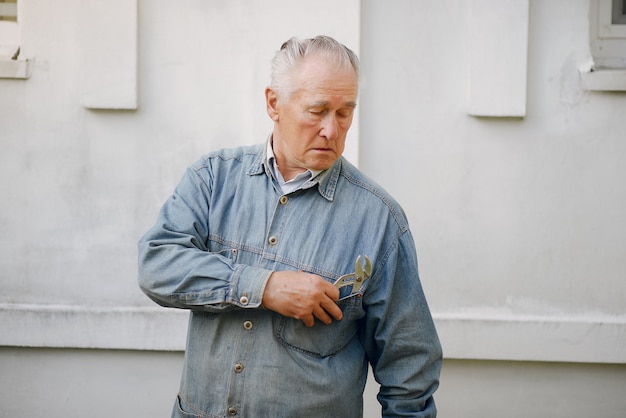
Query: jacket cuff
{"type": "Point", "coordinates": [248, 286]}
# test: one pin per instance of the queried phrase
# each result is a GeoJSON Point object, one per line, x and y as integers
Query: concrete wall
{"type": "Point", "coordinates": [519, 221]}
{"type": "Point", "coordinates": [118, 383]}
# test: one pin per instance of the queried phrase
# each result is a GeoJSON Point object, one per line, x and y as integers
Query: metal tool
{"type": "Point", "coordinates": [356, 279]}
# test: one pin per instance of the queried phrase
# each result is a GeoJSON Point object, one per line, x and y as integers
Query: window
{"type": "Point", "coordinates": [8, 10]}
{"type": "Point", "coordinates": [606, 69]}
{"type": "Point", "coordinates": [611, 20]}
{"type": "Point", "coordinates": [619, 12]}
{"type": "Point", "coordinates": [12, 65]}
{"type": "Point", "coordinates": [9, 31]}
{"type": "Point", "coordinates": [608, 33]}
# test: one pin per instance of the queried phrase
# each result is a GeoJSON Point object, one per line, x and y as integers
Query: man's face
{"type": "Point", "coordinates": [311, 125]}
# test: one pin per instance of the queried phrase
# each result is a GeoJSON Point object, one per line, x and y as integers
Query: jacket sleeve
{"type": "Point", "coordinates": [176, 268]}
{"type": "Point", "coordinates": [400, 337]}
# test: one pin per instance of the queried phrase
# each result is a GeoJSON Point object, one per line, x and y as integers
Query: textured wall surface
{"type": "Point", "coordinates": [519, 222]}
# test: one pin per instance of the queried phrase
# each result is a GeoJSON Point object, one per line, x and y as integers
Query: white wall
{"type": "Point", "coordinates": [74, 383]}
{"type": "Point", "coordinates": [519, 222]}
{"type": "Point", "coordinates": [81, 185]}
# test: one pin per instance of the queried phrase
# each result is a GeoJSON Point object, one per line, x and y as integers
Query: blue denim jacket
{"type": "Point", "coordinates": [218, 238]}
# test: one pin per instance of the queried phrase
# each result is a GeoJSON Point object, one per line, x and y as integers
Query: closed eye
{"type": "Point", "coordinates": [345, 113]}
{"type": "Point", "coordinates": [317, 111]}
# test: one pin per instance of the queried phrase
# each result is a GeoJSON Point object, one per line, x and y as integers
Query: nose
{"type": "Point", "coordinates": [330, 126]}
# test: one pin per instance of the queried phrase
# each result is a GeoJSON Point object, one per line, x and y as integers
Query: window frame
{"type": "Point", "coordinates": [607, 28]}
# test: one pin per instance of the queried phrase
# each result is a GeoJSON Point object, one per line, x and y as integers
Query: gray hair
{"type": "Point", "coordinates": [294, 50]}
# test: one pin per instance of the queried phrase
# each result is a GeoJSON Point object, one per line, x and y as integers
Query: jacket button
{"type": "Point", "coordinates": [243, 300]}
{"type": "Point", "coordinates": [283, 200]}
{"type": "Point", "coordinates": [247, 325]}
{"type": "Point", "coordinates": [238, 368]}
{"type": "Point", "coordinates": [232, 410]}
{"type": "Point", "coordinates": [273, 240]}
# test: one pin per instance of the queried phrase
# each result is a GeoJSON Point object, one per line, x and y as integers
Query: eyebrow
{"type": "Point", "coordinates": [324, 103]}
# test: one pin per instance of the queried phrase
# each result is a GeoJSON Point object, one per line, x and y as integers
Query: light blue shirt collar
{"type": "Point", "coordinates": [295, 183]}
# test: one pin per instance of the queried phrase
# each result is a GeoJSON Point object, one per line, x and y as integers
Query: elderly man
{"type": "Point", "coordinates": [298, 270]}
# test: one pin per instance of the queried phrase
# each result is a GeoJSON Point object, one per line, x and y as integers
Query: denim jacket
{"type": "Point", "coordinates": [218, 238]}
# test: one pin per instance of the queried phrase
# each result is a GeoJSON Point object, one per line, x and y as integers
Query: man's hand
{"type": "Point", "coordinates": [302, 296]}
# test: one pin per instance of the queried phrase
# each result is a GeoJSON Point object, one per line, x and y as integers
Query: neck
{"type": "Point", "coordinates": [287, 172]}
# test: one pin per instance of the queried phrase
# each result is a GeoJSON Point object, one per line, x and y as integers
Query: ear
{"type": "Point", "coordinates": [271, 104]}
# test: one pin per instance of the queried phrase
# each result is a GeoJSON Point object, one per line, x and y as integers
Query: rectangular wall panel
{"type": "Point", "coordinates": [109, 54]}
{"type": "Point", "coordinates": [498, 57]}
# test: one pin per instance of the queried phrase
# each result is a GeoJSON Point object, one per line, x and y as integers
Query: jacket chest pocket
{"type": "Point", "coordinates": [321, 340]}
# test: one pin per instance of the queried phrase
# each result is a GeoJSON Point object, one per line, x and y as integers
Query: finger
{"type": "Point", "coordinates": [332, 309]}
{"type": "Point", "coordinates": [331, 291]}
{"type": "Point", "coordinates": [321, 314]}
{"type": "Point", "coordinates": [308, 321]}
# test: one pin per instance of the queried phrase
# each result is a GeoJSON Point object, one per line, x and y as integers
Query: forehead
{"type": "Point", "coordinates": [320, 78]}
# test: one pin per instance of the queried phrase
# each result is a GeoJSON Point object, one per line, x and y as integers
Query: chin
{"type": "Point", "coordinates": [323, 166]}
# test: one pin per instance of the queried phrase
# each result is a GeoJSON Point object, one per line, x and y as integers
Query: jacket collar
{"type": "Point", "coordinates": [326, 181]}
